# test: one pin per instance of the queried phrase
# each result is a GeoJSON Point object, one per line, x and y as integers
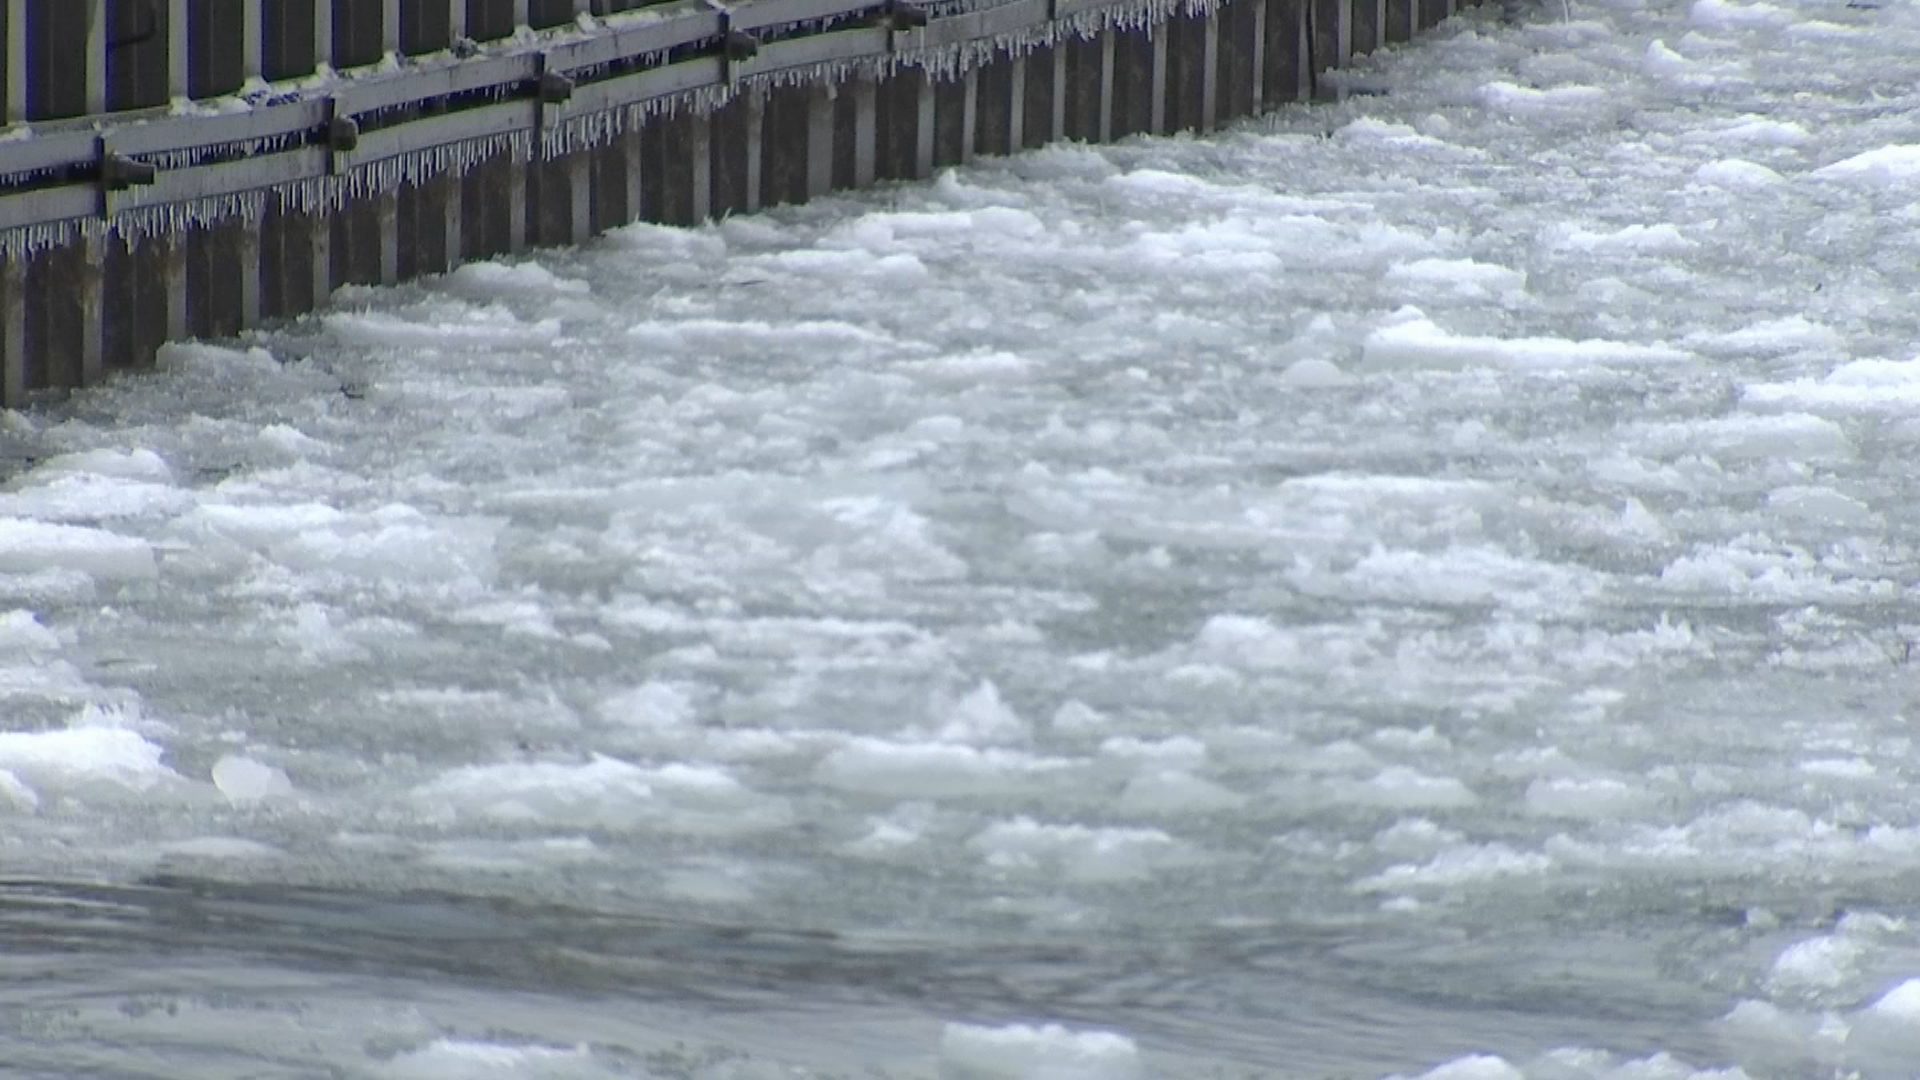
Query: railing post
{"type": "Point", "coordinates": [519, 15]}
{"type": "Point", "coordinates": [96, 62]}
{"type": "Point", "coordinates": [926, 111]}
{"type": "Point", "coordinates": [322, 42]}
{"type": "Point", "coordinates": [1108, 39]}
{"type": "Point", "coordinates": [1210, 70]}
{"type": "Point", "coordinates": [16, 67]}
{"type": "Point", "coordinates": [866, 133]}
{"type": "Point", "coordinates": [820, 140]}
{"type": "Point", "coordinates": [516, 201]}
{"type": "Point", "coordinates": [251, 41]}
{"type": "Point", "coordinates": [756, 105]}
{"type": "Point", "coordinates": [969, 113]}
{"type": "Point", "coordinates": [579, 169]}
{"type": "Point", "coordinates": [633, 145]}
{"type": "Point", "coordinates": [13, 331]}
{"type": "Point", "coordinates": [389, 27]}
{"type": "Point", "coordinates": [387, 210]}
{"type": "Point", "coordinates": [93, 324]}
{"type": "Point", "coordinates": [1257, 62]}
{"type": "Point", "coordinates": [452, 217]}
{"type": "Point", "coordinates": [320, 239]}
{"type": "Point", "coordinates": [1016, 103]}
{"type": "Point", "coordinates": [179, 45]}
{"type": "Point", "coordinates": [173, 276]}
{"type": "Point", "coordinates": [1157, 112]}
{"type": "Point", "coordinates": [700, 155]}
{"type": "Point", "coordinates": [1059, 92]}
{"type": "Point", "coordinates": [247, 240]}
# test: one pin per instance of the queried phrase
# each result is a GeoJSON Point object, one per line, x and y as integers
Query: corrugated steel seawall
{"type": "Point", "coordinates": [189, 168]}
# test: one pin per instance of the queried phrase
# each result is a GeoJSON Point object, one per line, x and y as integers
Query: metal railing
{"type": "Point", "coordinates": [177, 105]}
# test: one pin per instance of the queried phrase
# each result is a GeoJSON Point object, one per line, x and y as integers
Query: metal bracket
{"type": "Point", "coordinates": [117, 173]}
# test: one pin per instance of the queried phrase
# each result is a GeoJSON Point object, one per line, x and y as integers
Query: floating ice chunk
{"type": "Point", "coordinates": [500, 281]}
{"type": "Point", "coordinates": [456, 1059]}
{"type": "Point", "coordinates": [1082, 853]}
{"type": "Point", "coordinates": [971, 368]}
{"type": "Point", "coordinates": [1724, 13]}
{"type": "Point", "coordinates": [1885, 1036]}
{"type": "Point", "coordinates": [1752, 130]}
{"type": "Point", "coordinates": [85, 498]}
{"type": "Point", "coordinates": [1077, 716]}
{"type": "Point", "coordinates": [1896, 164]}
{"type": "Point", "coordinates": [34, 546]}
{"type": "Point", "coordinates": [1173, 791]}
{"type": "Point", "coordinates": [1761, 1034]}
{"type": "Point", "coordinates": [1027, 1052]}
{"type": "Point", "coordinates": [142, 465]}
{"type": "Point", "coordinates": [1856, 386]}
{"type": "Point", "coordinates": [931, 769]}
{"type": "Point", "coordinates": [1596, 798]}
{"type": "Point", "coordinates": [1462, 865]}
{"type": "Point", "coordinates": [1422, 344]}
{"type": "Point", "coordinates": [1781, 436]}
{"type": "Point", "coordinates": [1659, 60]}
{"type": "Point", "coordinates": [604, 792]}
{"type": "Point", "coordinates": [89, 754]}
{"type": "Point", "coordinates": [1178, 752]}
{"type": "Point", "coordinates": [292, 442]}
{"type": "Point", "coordinates": [1841, 768]}
{"type": "Point", "coordinates": [21, 632]}
{"type": "Point", "coordinates": [1663, 238]}
{"type": "Point", "coordinates": [1736, 174]}
{"type": "Point", "coordinates": [1586, 101]}
{"type": "Point", "coordinates": [1770, 337]}
{"type": "Point", "coordinates": [655, 708]}
{"type": "Point", "coordinates": [1474, 1067]}
{"type": "Point", "coordinates": [479, 328]}
{"type": "Point", "coordinates": [1816, 964]}
{"type": "Point", "coordinates": [1402, 788]}
{"type": "Point", "coordinates": [1463, 278]}
{"type": "Point", "coordinates": [14, 792]}
{"type": "Point", "coordinates": [1823, 505]}
{"type": "Point", "coordinates": [1314, 374]}
{"type": "Point", "coordinates": [1386, 134]}
{"type": "Point", "coordinates": [244, 780]}
{"type": "Point", "coordinates": [218, 847]}
{"type": "Point", "coordinates": [1414, 838]}
{"type": "Point", "coordinates": [1820, 30]}
{"type": "Point", "coordinates": [981, 718]}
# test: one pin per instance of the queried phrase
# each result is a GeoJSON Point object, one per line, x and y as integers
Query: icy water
{"type": "Point", "coordinates": [1422, 585]}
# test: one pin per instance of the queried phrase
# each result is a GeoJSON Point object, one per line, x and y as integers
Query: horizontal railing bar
{"type": "Point", "coordinates": [840, 45]}
{"type": "Point", "coordinates": [176, 134]}
{"type": "Point", "coordinates": [440, 81]}
{"type": "Point", "coordinates": [764, 13]}
{"type": "Point", "coordinates": [681, 24]}
{"type": "Point", "coordinates": [42, 152]}
{"type": "Point", "coordinates": [173, 186]}
{"type": "Point", "coordinates": [505, 118]}
{"type": "Point", "coordinates": [47, 206]}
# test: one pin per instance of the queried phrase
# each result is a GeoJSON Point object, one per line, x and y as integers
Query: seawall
{"type": "Point", "coordinates": [189, 168]}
